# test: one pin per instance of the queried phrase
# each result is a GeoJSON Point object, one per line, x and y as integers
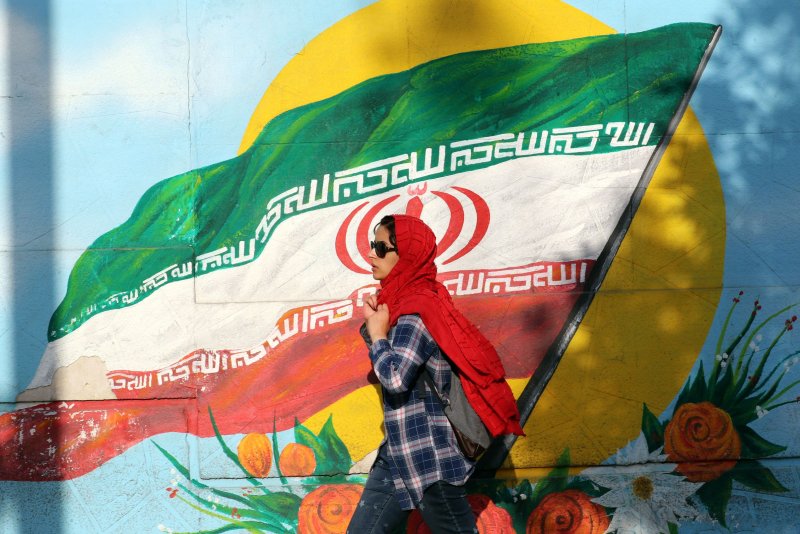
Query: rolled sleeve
{"type": "Point", "coordinates": [397, 363]}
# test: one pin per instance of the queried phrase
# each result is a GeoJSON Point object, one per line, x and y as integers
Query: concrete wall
{"type": "Point", "coordinates": [188, 188]}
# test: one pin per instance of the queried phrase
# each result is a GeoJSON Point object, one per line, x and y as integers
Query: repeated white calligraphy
{"type": "Point", "coordinates": [537, 277]}
{"type": "Point", "coordinates": [380, 175]}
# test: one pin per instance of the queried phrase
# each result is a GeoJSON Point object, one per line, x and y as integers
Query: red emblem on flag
{"type": "Point", "coordinates": [357, 226]}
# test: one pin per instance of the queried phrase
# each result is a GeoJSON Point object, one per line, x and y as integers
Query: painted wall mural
{"type": "Point", "coordinates": [200, 369]}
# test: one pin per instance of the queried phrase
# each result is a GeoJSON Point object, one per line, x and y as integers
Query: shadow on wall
{"type": "Point", "coordinates": [32, 189]}
{"type": "Point", "coordinates": [750, 111]}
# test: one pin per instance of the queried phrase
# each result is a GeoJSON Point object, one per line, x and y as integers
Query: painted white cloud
{"type": "Point", "coordinates": [142, 70]}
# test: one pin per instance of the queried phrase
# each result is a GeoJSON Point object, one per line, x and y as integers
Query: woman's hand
{"type": "Point", "coordinates": [377, 318]}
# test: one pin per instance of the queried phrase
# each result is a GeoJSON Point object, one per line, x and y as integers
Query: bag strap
{"type": "Point", "coordinates": [425, 380]}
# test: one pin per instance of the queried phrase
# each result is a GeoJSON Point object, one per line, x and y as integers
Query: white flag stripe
{"type": "Point", "coordinates": [576, 202]}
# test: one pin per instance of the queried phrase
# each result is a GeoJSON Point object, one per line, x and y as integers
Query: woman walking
{"type": "Point", "coordinates": [411, 328]}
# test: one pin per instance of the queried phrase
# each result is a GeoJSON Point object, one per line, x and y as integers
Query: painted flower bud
{"type": "Point", "coordinates": [255, 454]}
{"type": "Point", "coordinates": [297, 460]}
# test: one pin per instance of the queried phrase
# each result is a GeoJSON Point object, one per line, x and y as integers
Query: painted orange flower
{"type": "Point", "coordinates": [328, 509]}
{"type": "Point", "coordinates": [702, 440]}
{"type": "Point", "coordinates": [568, 512]}
{"type": "Point", "coordinates": [255, 454]}
{"type": "Point", "coordinates": [297, 460]}
{"type": "Point", "coordinates": [490, 518]}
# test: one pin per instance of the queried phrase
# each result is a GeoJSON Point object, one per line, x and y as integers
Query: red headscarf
{"type": "Point", "coordinates": [411, 287]}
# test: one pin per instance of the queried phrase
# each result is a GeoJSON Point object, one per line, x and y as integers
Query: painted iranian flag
{"type": "Point", "coordinates": [239, 284]}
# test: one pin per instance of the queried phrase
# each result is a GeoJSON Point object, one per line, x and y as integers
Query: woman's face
{"type": "Point", "coordinates": [381, 267]}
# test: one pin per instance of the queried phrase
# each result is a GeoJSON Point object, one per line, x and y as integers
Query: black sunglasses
{"type": "Point", "coordinates": [381, 248]}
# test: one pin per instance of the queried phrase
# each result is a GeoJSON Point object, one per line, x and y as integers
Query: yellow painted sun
{"type": "Point", "coordinates": [645, 327]}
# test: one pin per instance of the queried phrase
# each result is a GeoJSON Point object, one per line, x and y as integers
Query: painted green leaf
{"type": "Point", "coordinates": [525, 487]}
{"type": "Point", "coordinates": [684, 394]}
{"type": "Point", "coordinates": [740, 382]}
{"type": "Point", "coordinates": [652, 429]}
{"type": "Point", "coordinates": [282, 503]}
{"type": "Point", "coordinates": [722, 386]}
{"type": "Point", "coordinates": [518, 507]}
{"type": "Point", "coordinates": [699, 390]}
{"type": "Point", "coordinates": [744, 411]}
{"type": "Point", "coordinates": [335, 448]}
{"type": "Point", "coordinates": [715, 495]}
{"type": "Point", "coordinates": [245, 507]}
{"type": "Point", "coordinates": [185, 473]}
{"type": "Point", "coordinates": [754, 446]}
{"type": "Point", "coordinates": [220, 530]}
{"type": "Point", "coordinates": [225, 513]}
{"type": "Point", "coordinates": [754, 475]}
{"type": "Point", "coordinates": [327, 447]}
{"type": "Point", "coordinates": [306, 437]}
{"type": "Point", "coordinates": [275, 453]}
{"type": "Point", "coordinates": [228, 452]}
{"type": "Point", "coordinates": [174, 461]}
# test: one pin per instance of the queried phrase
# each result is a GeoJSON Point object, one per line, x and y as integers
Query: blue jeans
{"type": "Point", "coordinates": [444, 507]}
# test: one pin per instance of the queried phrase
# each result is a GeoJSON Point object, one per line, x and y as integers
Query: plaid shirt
{"type": "Point", "coordinates": [420, 443]}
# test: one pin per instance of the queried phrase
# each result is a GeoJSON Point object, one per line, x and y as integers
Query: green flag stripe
{"type": "Point", "coordinates": [605, 88]}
